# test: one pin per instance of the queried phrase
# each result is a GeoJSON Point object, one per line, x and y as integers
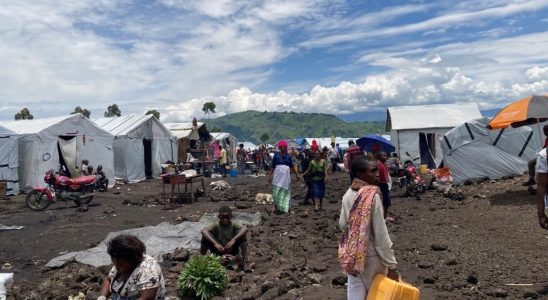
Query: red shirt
{"type": "Point", "coordinates": [383, 172]}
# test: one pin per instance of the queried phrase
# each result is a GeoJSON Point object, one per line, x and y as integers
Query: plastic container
{"type": "Point", "coordinates": [424, 169]}
{"type": "Point", "coordinates": [384, 288]}
{"type": "Point", "coordinates": [233, 173]}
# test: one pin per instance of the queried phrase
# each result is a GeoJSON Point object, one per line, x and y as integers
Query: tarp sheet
{"type": "Point", "coordinates": [472, 151]}
{"type": "Point", "coordinates": [9, 160]}
{"type": "Point", "coordinates": [160, 239]}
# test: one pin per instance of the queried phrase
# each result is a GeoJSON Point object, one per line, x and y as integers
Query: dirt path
{"type": "Point", "coordinates": [483, 243]}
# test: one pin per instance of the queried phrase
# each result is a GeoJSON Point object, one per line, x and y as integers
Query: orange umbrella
{"type": "Point", "coordinates": [527, 111]}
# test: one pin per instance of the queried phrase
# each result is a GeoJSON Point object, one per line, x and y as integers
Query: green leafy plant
{"type": "Point", "coordinates": [203, 277]}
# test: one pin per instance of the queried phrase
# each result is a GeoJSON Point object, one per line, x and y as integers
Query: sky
{"type": "Point", "coordinates": [337, 57]}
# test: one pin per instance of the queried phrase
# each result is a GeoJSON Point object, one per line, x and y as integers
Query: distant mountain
{"type": "Point", "coordinates": [489, 112]}
{"type": "Point", "coordinates": [251, 125]}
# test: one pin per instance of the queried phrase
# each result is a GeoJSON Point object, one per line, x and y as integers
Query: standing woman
{"type": "Point", "coordinates": [280, 177]}
{"type": "Point", "coordinates": [241, 155]}
{"type": "Point", "coordinates": [134, 275]}
{"type": "Point", "coordinates": [317, 170]}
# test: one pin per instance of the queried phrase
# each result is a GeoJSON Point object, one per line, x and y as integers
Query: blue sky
{"type": "Point", "coordinates": [340, 57]}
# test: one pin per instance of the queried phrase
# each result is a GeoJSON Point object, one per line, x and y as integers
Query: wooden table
{"type": "Point", "coordinates": [175, 181]}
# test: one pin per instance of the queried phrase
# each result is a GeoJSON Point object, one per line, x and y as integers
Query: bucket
{"type": "Point", "coordinates": [233, 173]}
{"type": "Point", "coordinates": [424, 169]}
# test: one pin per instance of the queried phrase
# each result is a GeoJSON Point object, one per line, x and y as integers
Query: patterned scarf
{"type": "Point", "coordinates": [353, 243]}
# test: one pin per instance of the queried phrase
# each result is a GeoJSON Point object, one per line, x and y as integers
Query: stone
{"type": "Point", "coordinates": [530, 295]}
{"type": "Point", "coordinates": [500, 293]}
{"type": "Point", "coordinates": [180, 254]}
{"type": "Point", "coordinates": [479, 196]}
{"type": "Point", "coordinates": [429, 280]}
{"type": "Point", "coordinates": [286, 285]}
{"type": "Point", "coordinates": [472, 278]}
{"type": "Point", "coordinates": [319, 268]}
{"type": "Point", "coordinates": [452, 262]}
{"type": "Point", "coordinates": [267, 285]}
{"type": "Point", "coordinates": [270, 294]}
{"type": "Point", "coordinates": [315, 278]}
{"type": "Point", "coordinates": [425, 265]}
{"type": "Point", "coordinates": [339, 280]}
{"type": "Point", "coordinates": [439, 247]}
{"type": "Point", "coordinates": [243, 205]}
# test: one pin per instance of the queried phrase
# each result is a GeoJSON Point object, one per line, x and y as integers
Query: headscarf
{"type": "Point", "coordinates": [353, 243]}
{"type": "Point", "coordinates": [314, 147]}
{"type": "Point", "coordinates": [282, 144]}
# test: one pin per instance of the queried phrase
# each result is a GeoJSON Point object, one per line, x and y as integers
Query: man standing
{"type": "Point", "coordinates": [383, 182]}
{"type": "Point", "coordinates": [542, 181]}
{"type": "Point", "coordinates": [365, 249]}
{"type": "Point", "coordinates": [223, 160]}
{"type": "Point", "coordinates": [334, 157]}
{"type": "Point", "coordinates": [353, 152]}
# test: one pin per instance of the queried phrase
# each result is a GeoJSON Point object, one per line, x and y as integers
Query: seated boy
{"type": "Point", "coordinates": [226, 238]}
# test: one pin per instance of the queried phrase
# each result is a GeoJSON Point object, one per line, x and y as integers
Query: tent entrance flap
{"type": "Point", "coordinates": [427, 147]}
{"type": "Point", "coordinates": [67, 153]}
{"type": "Point", "coordinates": [148, 157]}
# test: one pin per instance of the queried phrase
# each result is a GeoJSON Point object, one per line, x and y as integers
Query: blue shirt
{"type": "Point", "coordinates": [280, 159]}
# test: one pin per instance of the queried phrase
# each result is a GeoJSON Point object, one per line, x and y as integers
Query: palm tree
{"type": "Point", "coordinates": [209, 107]}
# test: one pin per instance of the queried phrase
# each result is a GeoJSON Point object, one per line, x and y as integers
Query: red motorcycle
{"type": "Point", "coordinates": [61, 188]}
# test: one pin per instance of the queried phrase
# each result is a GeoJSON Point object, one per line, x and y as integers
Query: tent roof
{"type": "Point", "coordinates": [183, 130]}
{"type": "Point", "coordinates": [221, 135]}
{"type": "Point", "coordinates": [249, 145]}
{"type": "Point", "coordinates": [430, 116]}
{"type": "Point", "coordinates": [123, 125]}
{"type": "Point", "coordinates": [37, 125]}
{"type": "Point", "coordinates": [4, 131]}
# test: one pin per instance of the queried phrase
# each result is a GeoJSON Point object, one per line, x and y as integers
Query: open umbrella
{"type": "Point", "coordinates": [371, 141]}
{"type": "Point", "coordinates": [527, 111]}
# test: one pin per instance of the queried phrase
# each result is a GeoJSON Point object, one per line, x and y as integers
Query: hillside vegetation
{"type": "Point", "coordinates": [251, 125]}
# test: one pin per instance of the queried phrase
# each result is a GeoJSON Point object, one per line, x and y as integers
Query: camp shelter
{"type": "Point", "coordinates": [141, 145]}
{"type": "Point", "coordinates": [472, 151]}
{"type": "Point", "coordinates": [229, 143]}
{"type": "Point", "coordinates": [249, 146]}
{"type": "Point", "coordinates": [46, 144]}
{"type": "Point", "coordinates": [9, 161]}
{"type": "Point", "coordinates": [416, 130]}
{"type": "Point", "coordinates": [190, 136]}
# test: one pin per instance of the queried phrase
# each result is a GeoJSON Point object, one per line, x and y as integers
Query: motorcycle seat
{"type": "Point", "coordinates": [80, 180]}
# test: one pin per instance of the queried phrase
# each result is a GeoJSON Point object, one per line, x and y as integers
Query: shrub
{"type": "Point", "coordinates": [203, 277]}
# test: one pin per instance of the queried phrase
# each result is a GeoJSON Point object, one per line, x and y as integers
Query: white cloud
{"type": "Point", "coordinates": [537, 73]}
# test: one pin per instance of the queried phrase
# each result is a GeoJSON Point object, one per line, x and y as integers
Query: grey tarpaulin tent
{"type": "Point", "coordinates": [472, 151]}
{"type": "Point", "coordinates": [416, 130]}
{"type": "Point", "coordinates": [141, 144]}
{"type": "Point", "coordinates": [41, 142]}
{"type": "Point", "coordinates": [9, 161]}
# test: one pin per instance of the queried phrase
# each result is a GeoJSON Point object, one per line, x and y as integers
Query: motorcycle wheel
{"type": "Point", "coordinates": [86, 200]}
{"type": "Point", "coordinates": [37, 201]}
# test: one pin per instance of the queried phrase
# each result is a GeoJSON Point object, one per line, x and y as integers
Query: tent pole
{"type": "Point", "coordinates": [539, 132]}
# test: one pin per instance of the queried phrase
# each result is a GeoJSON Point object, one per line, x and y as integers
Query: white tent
{"type": "Point", "coordinates": [229, 143]}
{"type": "Point", "coordinates": [416, 130]}
{"type": "Point", "coordinates": [141, 145]}
{"type": "Point", "coordinates": [9, 160]}
{"type": "Point", "coordinates": [190, 137]}
{"type": "Point", "coordinates": [41, 142]}
{"type": "Point", "coordinates": [472, 151]}
{"type": "Point", "coordinates": [249, 146]}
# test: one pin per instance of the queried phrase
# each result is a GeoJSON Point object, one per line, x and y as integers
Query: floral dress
{"type": "Point", "coordinates": [147, 275]}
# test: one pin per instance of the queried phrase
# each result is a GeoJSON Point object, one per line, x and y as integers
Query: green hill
{"type": "Point", "coordinates": [251, 125]}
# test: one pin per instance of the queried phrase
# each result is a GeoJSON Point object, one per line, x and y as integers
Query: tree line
{"type": "Point", "coordinates": [112, 111]}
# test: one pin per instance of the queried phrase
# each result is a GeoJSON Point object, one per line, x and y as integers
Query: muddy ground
{"type": "Point", "coordinates": [484, 247]}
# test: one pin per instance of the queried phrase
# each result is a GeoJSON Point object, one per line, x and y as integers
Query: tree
{"type": "Point", "coordinates": [113, 111]}
{"type": "Point", "coordinates": [79, 110]}
{"type": "Point", "coordinates": [24, 114]}
{"type": "Point", "coordinates": [265, 137]}
{"type": "Point", "coordinates": [216, 129]}
{"type": "Point", "coordinates": [154, 113]}
{"type": "Point", "coordinates": [208, 108]}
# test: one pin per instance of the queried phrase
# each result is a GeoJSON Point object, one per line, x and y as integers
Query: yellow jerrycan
{"type": "Point", "coordinates": [384, 288]}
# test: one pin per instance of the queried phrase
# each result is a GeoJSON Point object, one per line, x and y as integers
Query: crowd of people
{"type": "Point", "coordinates": [365, 247]}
